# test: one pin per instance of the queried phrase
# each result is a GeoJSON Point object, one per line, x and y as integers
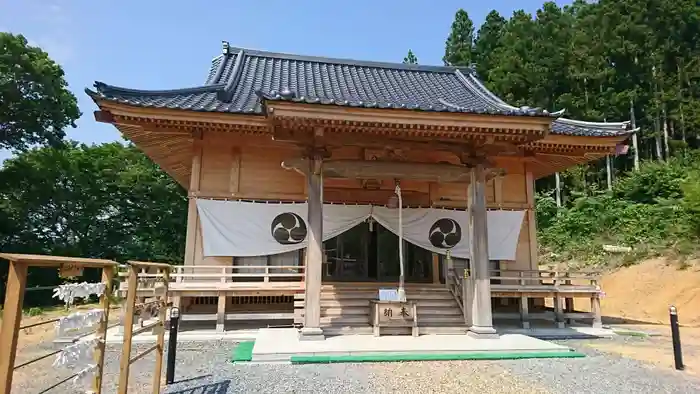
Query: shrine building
{"type": "Point", "coordinates": [295, 167]}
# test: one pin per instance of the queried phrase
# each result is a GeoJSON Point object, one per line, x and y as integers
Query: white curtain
{"type": "Point", "coordinates": [439, 230]}
{"type": "Point", "coordinates": [245, 229]}
{"type": "Point", "coordinates": [436, 230]}
{"type": "Point", "coordinates": [236, 228]}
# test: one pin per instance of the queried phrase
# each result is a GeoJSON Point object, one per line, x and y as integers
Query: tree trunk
{"type": "Point", "coordinates": [608, 170]}
{"type": "Point", "coordinates": [657, 140]}
{"type": "Point", "coordinates": [635, 141]}
{"type": "Point", "coordinates": [665, 127]}
{"type": "Point", "coordinates": [557, 189]}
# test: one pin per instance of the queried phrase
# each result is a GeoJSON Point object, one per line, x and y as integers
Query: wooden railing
{"type": "Point", "coordinates": [461, 291]}
{"type": "Point", "coordinates": [561, 286]}
{"type": "Point", "coordinates": [527, 279]}
{"type": "Point", "coordinates": [221, 274]}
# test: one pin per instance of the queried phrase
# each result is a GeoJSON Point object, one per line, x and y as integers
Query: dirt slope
{"type": "Point", "coordinates": [643, 292]}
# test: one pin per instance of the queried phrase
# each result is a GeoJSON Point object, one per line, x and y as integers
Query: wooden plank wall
{"type": "Point", "coordinates": [249, 167]}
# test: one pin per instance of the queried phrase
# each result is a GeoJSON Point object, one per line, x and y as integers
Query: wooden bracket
{"type": "Point", "coordinates": [104, 117]}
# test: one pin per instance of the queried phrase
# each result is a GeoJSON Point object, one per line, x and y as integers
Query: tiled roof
{"type": "Point", "coordinates": [240, 80]}
{"type": "Point", "coordinates": [590, 129]}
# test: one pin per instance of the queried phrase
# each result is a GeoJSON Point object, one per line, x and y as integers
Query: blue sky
{"type": "Point", "coordinates": [158, 44]}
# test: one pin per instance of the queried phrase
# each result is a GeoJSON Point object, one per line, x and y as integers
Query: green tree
{"type": "Point", "coordinates": [410, 58]}
{"type": "Point", "coordinates": [35, 103]}
{"type": "Point", "coordinates": [488, 38]}
{"type": "Point", "coordinates": [106, 201]}
{"type": "Point", "coordinates": [460, 42]}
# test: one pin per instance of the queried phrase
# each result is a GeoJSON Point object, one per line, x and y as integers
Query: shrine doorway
{"type": "Point", "coordinates": [369, 252]}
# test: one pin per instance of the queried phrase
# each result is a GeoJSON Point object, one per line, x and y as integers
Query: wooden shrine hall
{"type": "Point", "coordinates": [314, 182]}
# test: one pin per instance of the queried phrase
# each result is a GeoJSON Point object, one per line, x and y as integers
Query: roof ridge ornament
{"type": "Point", "coordinates": [225, 48]}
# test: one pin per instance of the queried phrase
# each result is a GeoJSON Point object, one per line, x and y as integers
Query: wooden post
{"type": "Point", "coordinates": [436, 268]}
{"type": "Point", "coordinates": [467, 292]}
{"type": "Point", "coordinates": [128, 330]}
{"type": "Point", "coordinates": [12, 316]}
{"type": "Point", "coordinates": [524, 312]}
{"type": "Point", "coordinates": [314, 254]}
{"type": "Point", "coordinates": [558, 311]}
{"type": "Point", "coordinates": [160, 341]}
{"type": "Point", "coordinates": [482, 318]}
{"type": "Point", "coordinates": [221, 312]}
{"type": "Point", "coordinates": [107, 277]}
{"type": "Point", "coordinates": [595, 309]}
{"type": "Point", "coordinates": [524, 305]}
{"type": "Point", "coordinates": [568, 301]}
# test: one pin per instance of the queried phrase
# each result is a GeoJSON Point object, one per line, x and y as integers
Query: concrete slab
{"type": "Point", "coordinates": [280, 344]}
{"type": "Point", "coordinates": [561, 333]}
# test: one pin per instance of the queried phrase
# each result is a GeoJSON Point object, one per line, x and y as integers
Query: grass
{"type": "Point", "coordinates": [431, 357]}
{"type": "Point", "coordinates": [627, 333]}
{"type": "Point", "coordinates": [243, 352]}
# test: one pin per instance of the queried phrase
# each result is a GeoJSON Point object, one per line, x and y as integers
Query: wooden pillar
{"type": "Point", "coordinates": [436, 268]}
{"type": "Point", "coordinates": [314, 253]}
{"type": "Point", "coordinates": [221, 313]}
{"type": "Point", "coordinates": [531, 219]}
{"type": "Point", "coordinates": [482, 318]}
{"type": "Point", "coordinates": [192, 215]}
{"type": "Point", "coordinates": [12, 316]}
{"type": "Point", "coordinates": [128, 330]}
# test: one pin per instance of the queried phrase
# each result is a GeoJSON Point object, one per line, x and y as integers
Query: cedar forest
{"type": "Point", "coordinates": [608, 60]}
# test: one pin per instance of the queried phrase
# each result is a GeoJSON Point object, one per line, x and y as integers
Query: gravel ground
{"type": "Point", "coordinates": [204, 368]}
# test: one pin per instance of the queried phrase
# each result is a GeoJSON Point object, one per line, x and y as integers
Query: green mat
{"type": "Point", "coordinates": [243, 352]}
{"type": "Point", "coordinates": [431, 357]}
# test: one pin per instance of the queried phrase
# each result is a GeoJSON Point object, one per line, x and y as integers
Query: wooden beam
{"type": "Point", "coordinates": [375, 169]}
{"type": "Point", "coordinates": [416, 118]}
{"type": "Point", "coordinates": [178, 115]}
{"type": "Point", "coordinates": [304, 137]}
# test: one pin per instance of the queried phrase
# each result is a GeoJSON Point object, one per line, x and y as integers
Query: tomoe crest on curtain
{"type": "Point", "coordinates": [288, 228]}
{"type": "Point", "coordinates": [445, 233]}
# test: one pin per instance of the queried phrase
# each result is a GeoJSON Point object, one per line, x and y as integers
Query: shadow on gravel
{"type": "Point", "coordinates": [191, 379]}
{"type": "Point", "coordinates": [213, 388]}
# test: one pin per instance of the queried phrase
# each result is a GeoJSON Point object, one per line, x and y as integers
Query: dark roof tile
{"type": "Point", "coordinates": [240, 80]}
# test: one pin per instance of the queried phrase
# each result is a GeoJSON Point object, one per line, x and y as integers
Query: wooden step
{"type": "Point", "coordinates": [367, 330]}
{"type": "Point", "coordinates": [427, 321]}
{"type": "Point", "coordinates": [364, 311]}
{"type": "Point", "coordinates": [341, 303]}
{"type": "Point", "coordinates": [340, 321]}
{"type": "Point", "coordinates": [437, 295]}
